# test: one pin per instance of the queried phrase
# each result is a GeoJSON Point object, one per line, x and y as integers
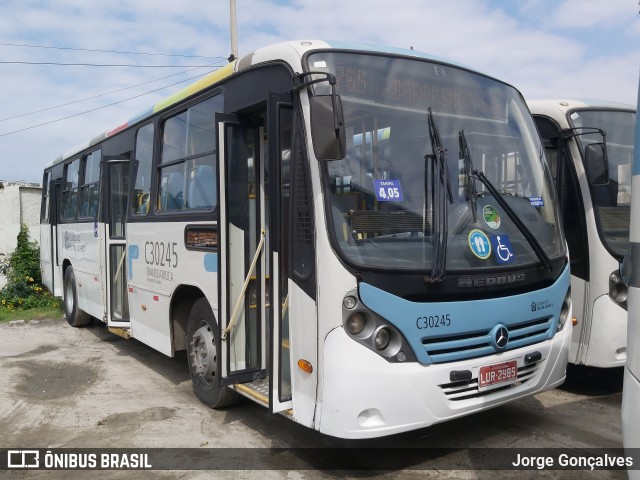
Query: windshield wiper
{"type": "Point", "coordinates": [472, 173]}
{"type": "Point", "coordinates": [465, 153]}
{"type": "Point", "coordinates": [440, 192]}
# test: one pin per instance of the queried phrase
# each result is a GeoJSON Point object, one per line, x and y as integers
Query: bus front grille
{"type": "Point", "coordinates": [479, 344]}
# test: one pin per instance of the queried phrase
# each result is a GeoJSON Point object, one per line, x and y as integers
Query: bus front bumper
{"type": "Point", "coordinates": [364, 396]}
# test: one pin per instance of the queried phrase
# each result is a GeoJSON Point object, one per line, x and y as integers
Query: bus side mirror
{"type": "Point", "coordinates": [327, 127]}
{"type": "Point", "coordinates": [596, 164]}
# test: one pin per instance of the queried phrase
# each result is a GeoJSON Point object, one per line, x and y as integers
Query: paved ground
{"type": "Point", "coordinates": [62, 387]}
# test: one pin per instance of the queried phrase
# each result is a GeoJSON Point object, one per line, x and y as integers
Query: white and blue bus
{"type": "Point", "coordinates": [589, 147]}
{"type": "Point", "coordinates": [366, 241]}
{"type": "Point", "coordinates": [631, 274]}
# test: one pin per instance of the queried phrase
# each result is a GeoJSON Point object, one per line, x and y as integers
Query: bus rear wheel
{"type": "Point", "coordinates": [203, 357]}
{"type": "Point", "coordinates": [75, 316]}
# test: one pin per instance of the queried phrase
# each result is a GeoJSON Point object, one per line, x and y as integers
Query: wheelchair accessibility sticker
{"type": "Point", "coordinates": [502, 248]}
{"type": "Point", "coordinates": [479, 244]}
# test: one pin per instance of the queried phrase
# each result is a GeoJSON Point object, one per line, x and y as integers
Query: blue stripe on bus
{"type": "Point", "coordinates": [134, 253]}
{"type": "Point", "coordinates": [211, 262]}
{"type": "Point", "coordinates": [453, 331]}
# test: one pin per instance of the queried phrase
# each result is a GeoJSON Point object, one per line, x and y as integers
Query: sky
{"type": "Point", "coordinates": [545, 48]}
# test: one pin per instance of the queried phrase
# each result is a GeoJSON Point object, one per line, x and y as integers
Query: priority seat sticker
{"type": "Point", "coordinates": [479, 244]}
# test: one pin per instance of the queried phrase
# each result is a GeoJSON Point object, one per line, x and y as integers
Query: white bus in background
{"type": "Point", "coordinates": [631, 274]}
{"type": "Point", "coordinates": [589, 146]}
{"type": "Point", "coordinates": [363, 240]}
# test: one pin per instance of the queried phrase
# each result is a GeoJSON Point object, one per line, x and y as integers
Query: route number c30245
{"type": "Point", "coordinates": [433, 321]}
{"type": "Point", "coordinates": [161, 254]}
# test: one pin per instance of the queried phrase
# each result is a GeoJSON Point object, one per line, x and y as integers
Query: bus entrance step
{"type": "Point", "coordinates": [121, 332]}
{"type": "Point", "coordinates": [257, 391]}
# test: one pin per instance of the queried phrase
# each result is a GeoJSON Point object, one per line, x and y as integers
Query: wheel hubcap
{"type": "Point", "coordinates": [68, 299]}
{"type": "Point", "coordinates": [203, 353]}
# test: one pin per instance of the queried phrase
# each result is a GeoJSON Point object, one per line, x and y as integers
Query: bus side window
{"type": "Point", "coordinates": [171, 191]}
{"type": "Point", "coordinates": [89, 190]}
{"type": "Point", "coordinates": [174, 138]}
{"type": "Point", "coordinates": [70, 192]}
{"type": "Point", "coordinates": [188, 169]}
{"type": "Point", "coordinates": [142, 170]}
{"type": "Point", "coordinates": [202, 187]}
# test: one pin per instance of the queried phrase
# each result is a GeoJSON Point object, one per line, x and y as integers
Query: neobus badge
{"type": "Point", "coordinates": [490, 280]}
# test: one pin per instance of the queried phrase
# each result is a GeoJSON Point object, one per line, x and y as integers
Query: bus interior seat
{"type": "Point", "coordinates": [202, 187]}
{"type": "Point", "coordinates": [172, 196]}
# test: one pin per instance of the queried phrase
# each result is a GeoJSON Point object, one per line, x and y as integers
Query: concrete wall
{"type": "Point", "coordinates": [19, 203]}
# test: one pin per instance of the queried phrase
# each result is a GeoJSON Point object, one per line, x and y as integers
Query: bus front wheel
{"type": "Point", "coordinates": [75, 316]}
{"type": "Point", "coordinates": [202, 356]}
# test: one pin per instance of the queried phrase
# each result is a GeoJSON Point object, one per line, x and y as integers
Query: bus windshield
{"type": "Point", "coordinates": [611, 202]}
{"type": "Point", "coordinates": [405, 187]}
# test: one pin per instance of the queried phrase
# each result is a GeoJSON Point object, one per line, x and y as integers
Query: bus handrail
{"type": "Point", "coordinates": [236, 309]}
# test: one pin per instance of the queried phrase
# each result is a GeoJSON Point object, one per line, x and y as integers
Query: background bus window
{"type": "Point", "coordinates": [70, 192]}
{"type": "Point", "coordinates": [188, 169]}
{"type": "Point", "coordinates": [89, 192]}
{"type": "Point", "coordinates": [142, 170]}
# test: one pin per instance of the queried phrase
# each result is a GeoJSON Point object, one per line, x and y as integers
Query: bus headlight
{"type": "Point", "coordinates": [382, 338]}
{"type": "Point", "coordinates": [618, 289]}
{"type": "Point", "coordinates": [565, 310]}
{"type": "Point", "coordinates": [349, 302]}
{"type": "Point", "coordinates": [356, 323]}
{"type": "Point", "coordinates": [374, 332]}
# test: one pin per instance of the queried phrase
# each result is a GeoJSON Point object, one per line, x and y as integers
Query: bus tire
{"type": "Point", "coordinates": [75, 316]}
{"type": "Point", "coordinates": [202, 357]}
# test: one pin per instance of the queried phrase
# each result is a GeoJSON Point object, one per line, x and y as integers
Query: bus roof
{"type": "Point", "coordinates": [290, 51]}
{"type": "Point", "coordinates": [566, 104]}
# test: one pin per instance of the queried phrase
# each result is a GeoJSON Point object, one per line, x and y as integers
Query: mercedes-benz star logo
{"type": "Point", "coordinates": [501, 337]}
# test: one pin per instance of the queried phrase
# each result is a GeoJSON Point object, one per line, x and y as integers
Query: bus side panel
{"type": "Point", "coordinates": [149, 311]}
{"type": "Point", "coordinates": [304, 345]}
{"type": "Point", "coordinates": [158, 262]}
{"type": "Point", "coordinates": [80, 246]}
{"type": "Point", "coordinates": [606, 345]}
{"type": "Point", "coordinates": [631, 390]}
{"type": "Point", "coordinates": [609, 332]}
{"type": "Point", "coordinates": [151, 283]}
{"type": "Point", "coordinates": [579, 297]}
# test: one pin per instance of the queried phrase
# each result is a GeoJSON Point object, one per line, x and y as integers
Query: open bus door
{"type": "Point", "coordinates": [243, 280]}
{"type": "Point", "coordinates": [280, 133]}
{"type": "Point", "coordinates": [254, 232]}
{"type": "Point", "coordinates": [116, 176]}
